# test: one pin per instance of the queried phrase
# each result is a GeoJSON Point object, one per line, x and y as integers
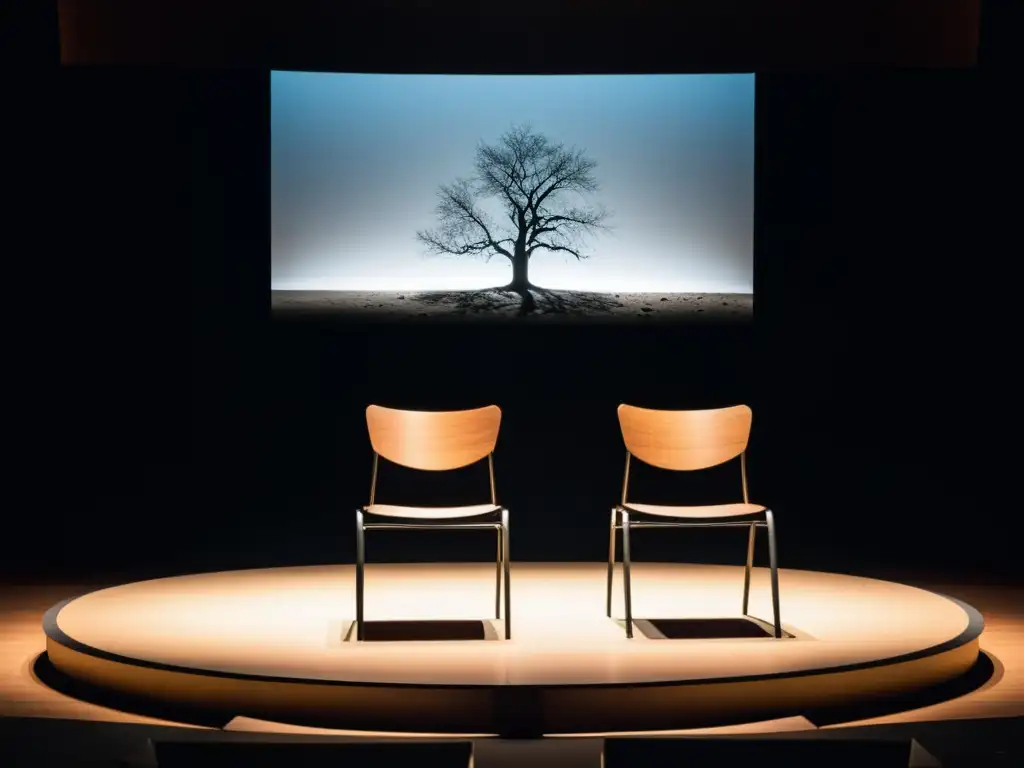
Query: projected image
{"type": "Point", "coordinates": [513, 198]}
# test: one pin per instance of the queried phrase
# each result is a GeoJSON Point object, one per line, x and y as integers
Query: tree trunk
{"type": "Point", "coordinates": [521, 281]}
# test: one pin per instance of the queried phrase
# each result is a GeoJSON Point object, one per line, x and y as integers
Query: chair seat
{"type": "Point", "coordinates": [431, 513]}
{"type": "Point", "coordinates": [705, 512]}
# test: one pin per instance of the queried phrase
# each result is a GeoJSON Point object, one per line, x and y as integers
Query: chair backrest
{"type": "Point", "coordinates": [433, 440]}
{"type": "Point", "coordinates": [685, 440]}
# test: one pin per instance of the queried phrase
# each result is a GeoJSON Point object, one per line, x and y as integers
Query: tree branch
{"type": "Point", "coordinates": [574, 174]}
{"type": "Point", "coordinates": [489, 165]}
{"type": "Point", "coordinates": [571, 222]}
{"type": "Point", "coordinates": [459, 221]}
{"type": "Point", "coordinates": [552, 247]}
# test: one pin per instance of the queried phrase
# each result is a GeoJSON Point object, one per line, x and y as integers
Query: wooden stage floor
{"type": "Point", "coordinates": [565, 625]}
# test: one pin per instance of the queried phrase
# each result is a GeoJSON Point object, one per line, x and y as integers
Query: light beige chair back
{"type": "Point", "coordinates": [685, 440]}
{"type": "Point", "coordinates": [433, 440]}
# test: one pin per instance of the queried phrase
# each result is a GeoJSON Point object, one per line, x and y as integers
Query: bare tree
{"type": "Point", "coordinates": [539, 185]}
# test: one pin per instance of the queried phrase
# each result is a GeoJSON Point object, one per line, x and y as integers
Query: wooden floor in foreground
{"type": "Point", "coordinates": [26, 698]}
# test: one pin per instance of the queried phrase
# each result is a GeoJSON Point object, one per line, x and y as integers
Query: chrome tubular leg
{"type": "Point", "coordinates": [773, 562]}
{"type": "Point", "coordinates": [505, 565]}
{"type": "Point", "coordinates": [611, 563]}
{"type": "Point", "coordinates": [750, 564]}
{"type": "Point", "coordinates": [625, 573]}
{"type": "Point", "coordinates": [497, 575]}
{"type": "Point", "coordinates": [360, 567]}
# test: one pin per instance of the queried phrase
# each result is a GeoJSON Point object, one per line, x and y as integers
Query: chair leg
{"type": "Point", "coordinates": [625, 573]}
{"type": "Point", "coordinates": [360, 567]}
{"type": "Point", "coordinates": [505, 565]}
{"type": "Point", "coordinates": [497, 576]}
{"type": "Point", "coordinates": [611, 563]}
{"type": "Point", "coordinates": [750, 564]}
{"type": "Point", "coordinates": [773, 563]}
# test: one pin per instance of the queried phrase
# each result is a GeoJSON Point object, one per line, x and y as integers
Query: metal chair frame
{"type": "Point", "coordinates": [626, 519]}
{"type": "Point", "coordinates": [496, 520]}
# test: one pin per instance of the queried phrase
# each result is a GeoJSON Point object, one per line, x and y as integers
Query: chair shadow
{"type": "Point", "coordinates": [423, 631]}
{"type": "Point", "coordinates": [719, 628]}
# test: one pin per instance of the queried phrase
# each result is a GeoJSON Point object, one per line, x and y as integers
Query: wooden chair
{"type": "Point", "coordinates": [686, 441]}
{"type": "Point", "coordinates": [434, 441]}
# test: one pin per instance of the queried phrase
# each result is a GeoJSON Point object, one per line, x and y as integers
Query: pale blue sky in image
{"type": "Point", "coordinates": [356, 161]}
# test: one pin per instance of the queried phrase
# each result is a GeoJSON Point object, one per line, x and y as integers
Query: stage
{"type": "Point", "coordinates": [276, 644]}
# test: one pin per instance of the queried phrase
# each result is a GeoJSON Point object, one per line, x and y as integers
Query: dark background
{"type": "Point", "coordinates": [164, 422]}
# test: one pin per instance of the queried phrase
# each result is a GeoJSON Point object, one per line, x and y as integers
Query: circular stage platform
{"type": "Point", "coordinates": [277, 644]}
